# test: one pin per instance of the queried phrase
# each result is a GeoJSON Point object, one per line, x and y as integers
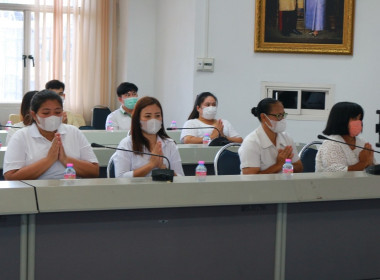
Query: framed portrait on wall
{"type": "Point", "coordinates": [304, 26]}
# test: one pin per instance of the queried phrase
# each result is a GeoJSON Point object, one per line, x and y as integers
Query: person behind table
{"type": "Point", "coordinates": [344, 124]}
{"type": "Point", "coordinates": [68, 117]}
{"type": "Point", "coordinates": [26, 119]}
{"type": "Point", "coordinates": [127, 96]}
{"type": "Point", "coordinates": [203, 115]}
{"type": "Point", "coordinates": [147, 135]}
{"type": "Point", "coordinates": [265, 150]}
{"type": "Point", "coordinates": [42, 150]}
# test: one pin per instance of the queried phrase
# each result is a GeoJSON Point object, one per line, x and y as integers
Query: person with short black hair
{"type": "Point", "coordinates": [344, 124]}
{"type": "Point", "coordinates": [127, 96]}
{"type": "Point", "coordinates": [204, 115]}
{"type": "Point", "coordinates": [68, 117]}
{"type": "Point", "coordinates": [147, 135]}
{"type": "Point", "coordinates": [265, 150]}
{"type": "Point", "coordinates": [42, 149]}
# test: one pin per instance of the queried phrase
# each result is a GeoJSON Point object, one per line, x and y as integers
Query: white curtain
{"type": "Point", "coordinates": [75, 42]}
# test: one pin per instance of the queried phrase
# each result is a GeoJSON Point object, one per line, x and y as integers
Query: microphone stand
{"type": "Point", "coordinates": [218, 141]}
{"type": "Point", "coordinates": [157, 174]}
{"type": "Point", "coordinates": [372, 169]}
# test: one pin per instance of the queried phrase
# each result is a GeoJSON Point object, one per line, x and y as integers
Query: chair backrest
{"type": "Point", "coordinates": [111, 167]}
{"type": "Point", "coordinates": [99, 117]}
{"type": "Point", "coordinates": [227, 162]}
{"type": "Point", "coordinates": [307, 155]}
{"type": "Point", "coordinates": [14, 118]}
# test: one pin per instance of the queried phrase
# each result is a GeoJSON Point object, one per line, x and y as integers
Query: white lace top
{"type": "Point", "coordinates": [332, 156]}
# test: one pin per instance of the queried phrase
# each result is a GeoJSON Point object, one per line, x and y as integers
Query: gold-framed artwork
{"type": "Point", "coordinates": [304, 26]}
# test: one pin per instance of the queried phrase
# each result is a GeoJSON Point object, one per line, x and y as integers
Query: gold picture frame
{"type": "Point", "coordinates": [273, 31]}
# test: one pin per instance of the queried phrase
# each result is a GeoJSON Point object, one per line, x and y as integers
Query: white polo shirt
{"type": "Point", "coordinates": [27, 146]}
{"type": "Point", "coordinates": [228, 130]}
{"type": "Point", "coordinates": [126, 162]}
{"type": "Point", "coordinates": [258, 151]}
{"type": "Point", "coordinates": [120, 119]}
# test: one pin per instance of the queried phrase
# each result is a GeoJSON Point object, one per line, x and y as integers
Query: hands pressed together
{"type": "Point", "coordinates": [56, 151]}
{"type": "Point", "coordinates": [365, 156]}
{"type": "Point", "coordinates": [283, 154]}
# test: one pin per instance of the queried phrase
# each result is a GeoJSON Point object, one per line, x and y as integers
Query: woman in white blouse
{"type": "Point", "coordinates": [265, 150]}
{"type": "Point", "coordinates": [203, 115]}
{"type": "Point", "coordinates": [344, 124]}
{"type": "Point", "coordinates": [147, 135]}
{"type": "Point", "coordinates": [43, 149]}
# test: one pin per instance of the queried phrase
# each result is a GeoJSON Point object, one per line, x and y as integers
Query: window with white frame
{"type": "Point", "coordinates": [301, 101]}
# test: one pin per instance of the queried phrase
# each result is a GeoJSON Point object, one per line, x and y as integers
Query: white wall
{"type": "Point", "coordinates": [238, 69]}
{"type": "Point", "coordinates": [137, 44]}
{"type": "Point", "coordinates": [175, 58]}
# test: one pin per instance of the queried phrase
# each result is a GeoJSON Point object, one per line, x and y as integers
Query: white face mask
{"type": "Point", "coordinates": [50, 123]}
{"type": "Point", "coordinates": [152, 126]}
{"type": "Point", "coordinates": [276, 126]}
{"type": "Point", "coordinates": [209, 112]}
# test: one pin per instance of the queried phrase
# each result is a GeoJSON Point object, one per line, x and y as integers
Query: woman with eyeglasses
{"type": "Point", "coordinates": [265, 150]}
{"type": "Point", "coordinates": [204, 115]}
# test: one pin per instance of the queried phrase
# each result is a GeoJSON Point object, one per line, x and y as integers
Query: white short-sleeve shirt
{"type": "Point", "coordinates": [332, 156]}
{"type": "Point", "coordinates": [28, 146]}
{"type": "Point", "coordinates": [126, 162]}
{"type": "Point", "coordinates": [120, 119]}
{"type": "Point", "coordinates": [258, 151]}
{"type": "Point", "coordinates": [228, 130]}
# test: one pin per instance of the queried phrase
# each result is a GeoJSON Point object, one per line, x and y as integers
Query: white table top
{"type": "Point", "coordinates": [17, 198]}
{"type": "Point", "coordinates": [137, 193]}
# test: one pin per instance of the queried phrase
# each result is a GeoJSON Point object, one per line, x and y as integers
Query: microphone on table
{"type": "Point", "coordinates": [372, 169]}
{"type": "Point", "coordinates": [218, 141]}
{"type": "Point", "coordinates": [157, 174]}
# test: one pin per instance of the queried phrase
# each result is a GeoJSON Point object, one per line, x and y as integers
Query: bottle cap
{"type": "Point", "coordinates": [69, 165]}
{"type": "Point", "coordinates": [206, 134]}
{"type": "Point", "coordinates": [201, 162]}
{"type": "Point", "coordinates": [288, 160]}
{"type": "Point", "coordinates": [174, 122]}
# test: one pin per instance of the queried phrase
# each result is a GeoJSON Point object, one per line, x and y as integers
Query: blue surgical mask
{"type": "Point", "coordinates": [130, 102]}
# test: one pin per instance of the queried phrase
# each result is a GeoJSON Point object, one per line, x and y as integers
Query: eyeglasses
{"type": "Point", "coordinates": [279, 116]}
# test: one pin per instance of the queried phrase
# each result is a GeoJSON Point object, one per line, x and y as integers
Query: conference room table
{"type": "Point", "coordinates": [312, 226]}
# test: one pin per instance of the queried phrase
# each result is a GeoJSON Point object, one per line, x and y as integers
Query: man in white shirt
{"type": "Point", "coordinates": [68, 117]}
{"type": "Point", "coordinates": [121, 117]}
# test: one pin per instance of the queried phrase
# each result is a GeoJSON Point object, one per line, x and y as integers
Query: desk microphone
{"type": "Point", "coordinates": [372, 169]}
{"type": "Point", "coordinates": [218, 141]}
{"type": "Point", "coordinates": [157, 174]}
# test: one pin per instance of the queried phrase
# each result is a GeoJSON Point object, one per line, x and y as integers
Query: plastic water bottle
{"type": "Point", "coordinates": [201, 171]}
{"type": "Point", "coordinates": [8, 125]}
{"type": "Point", "coordinates": [173, 125]}
{"type": "Point", "coordinates": [109, 126]}
{"type": "Point", "coordinates": [70, 172]}
{"type": "Point", "coordinates": [287, 169]}
{"type": "Point", "coordinates": [206, 139]}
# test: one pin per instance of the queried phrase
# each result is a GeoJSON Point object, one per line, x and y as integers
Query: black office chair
{"type": "Point", "coordinates": [99, 117]}
{"type": "Point", "coordinates": [227, 162]}
{"type": "Point", "coordinates": [111, 167]}
{"type": "Point", "coordinates": [307, 156]}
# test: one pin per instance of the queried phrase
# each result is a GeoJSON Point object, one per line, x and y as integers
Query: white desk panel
{"type": "Point", "coordinates": [17, 198]}
{"type": "Point", "coordinates": [137, 193]}
{"type": "Point", "coordinates": [3, 136]}
{"type": "Point", "coordinates": [103, 137]}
